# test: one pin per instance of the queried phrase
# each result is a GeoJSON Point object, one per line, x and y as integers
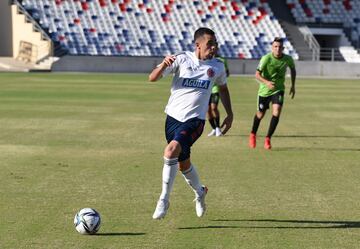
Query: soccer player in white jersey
{"type": "Point", "coordinates": [194, 75]}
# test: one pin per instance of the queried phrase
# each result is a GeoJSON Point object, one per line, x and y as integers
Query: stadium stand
{"type": "Point", "coordinates": [156, 28]}
{"type": "Point", "coordinates": [345, 13]}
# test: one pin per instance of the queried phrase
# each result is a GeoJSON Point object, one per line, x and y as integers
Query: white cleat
{"type": "Point", "coordinates": [218, 132]}
{"type": "Point", "coordinates": [212, 133]}
{"type": "Point", "coordinates": [200, 205]}
{"type": "Point", "coordinates": [161, 209]}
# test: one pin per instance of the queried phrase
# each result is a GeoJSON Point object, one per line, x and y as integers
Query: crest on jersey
{"type": "Point", "coordinates": [210, 72]}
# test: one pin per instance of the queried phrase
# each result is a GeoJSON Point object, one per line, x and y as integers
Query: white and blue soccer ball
{"type": "Point", "coordinates": [87, 221]}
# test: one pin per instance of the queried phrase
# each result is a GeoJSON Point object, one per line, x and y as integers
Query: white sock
{"type": "Point", "coordinates": [168, 176]}
{"type": "Point", "coordinates": [192, 178]}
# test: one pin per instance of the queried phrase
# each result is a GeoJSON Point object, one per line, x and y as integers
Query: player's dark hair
{"type": "Point", "coordinates": [279, 40]}
{"type": "Point", "coordinates": [202, 31]}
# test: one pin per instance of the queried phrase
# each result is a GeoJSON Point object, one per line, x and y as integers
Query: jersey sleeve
{"type": "Point", "coordinates": [221, 79]}
{"type": "Point", "coordinates": [174, 67]}
{"type": "Point", "coordinates": [262, 64]}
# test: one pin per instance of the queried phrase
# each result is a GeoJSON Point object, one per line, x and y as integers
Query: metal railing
{"type": "Point", "coordinates": [312, 43]}
{"type": "Point", "coordinates": [321, 54]}
{"type": "Point", "coordinates": [51, 47]}
{"type": "Point", "coordinates": [29, 18]}
{"type": "Point", "coordinates": [331, 54]}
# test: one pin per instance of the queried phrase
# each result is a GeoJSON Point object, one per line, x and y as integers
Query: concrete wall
{"type": "Point", "coordinates": [5, 29]}
{"type": "Point", "coordinates": [131, 64]}
{"type": "Point", "coordinates": [106, 64]}
{"type": "Point", "coordinates": [146, 64]}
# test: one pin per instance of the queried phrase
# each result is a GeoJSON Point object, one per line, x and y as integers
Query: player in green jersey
{"type": "Point", "coordinates": [271, 76]}
{"type": "Point", "coordinates": [213, 111]}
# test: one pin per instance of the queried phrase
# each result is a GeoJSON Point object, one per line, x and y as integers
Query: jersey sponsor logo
{"type": "Point", "coordinates": [210, 72]}
{"type": "Point", "coordinates": [192, 69]}
{"type": "Point", "coordinates": [196, 83]}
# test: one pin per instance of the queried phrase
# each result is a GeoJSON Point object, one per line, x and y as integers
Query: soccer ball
{"type": "Point", "coordinates": [87, 221]}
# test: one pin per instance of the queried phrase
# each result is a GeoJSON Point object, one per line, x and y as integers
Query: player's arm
{"type": "Point", "coordinates": [268, 83]}
{"type": "Point", "coordinates": [293, 78]}
{"type": "Point", "coordinates": [226, 101]}
{"type": "Point", "coordinates": [156, 74]}
{"type": "Point", "coordinates": [227, 71]}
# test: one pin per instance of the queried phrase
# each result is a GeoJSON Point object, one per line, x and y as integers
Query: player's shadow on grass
{"type": "Point", "coordinates": [317, 136]}
{"type": "Point", "coordinates": [208, 227]}
{"type": "Point", "coordinates": [314, 149]}
{"type": "Point", "coordinates": [297, 224]}
{"type": "Point", "coordinates": [296, 136]}
{"type": "Point", "coordinates": [119, 234]}
{"type": "Point", "coordinates": [280, 224]}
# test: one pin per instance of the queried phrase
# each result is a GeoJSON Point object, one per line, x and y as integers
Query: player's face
{"type": "Point", "coordinates": [277, 49]}
{"type": "Point", "coordinates": [206, 47]}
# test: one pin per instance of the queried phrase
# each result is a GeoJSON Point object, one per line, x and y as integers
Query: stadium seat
{"type": "Point", "coordinates": [157, 28]}
{"type": "Point", "coordinates": [342, 12]}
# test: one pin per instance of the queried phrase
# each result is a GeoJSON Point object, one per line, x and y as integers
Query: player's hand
{"type": "Point", "coordinates": [227, 124]}
{"type": "Point", "coordinates": [292, 92]}
{"type": "Point", "coordinates": [168, 60]}
{"type": "Point", "coordinates": [270, 85]}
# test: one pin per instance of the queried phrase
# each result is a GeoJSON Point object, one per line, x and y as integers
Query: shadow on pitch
{"type": "Point", "coordinates": [280, 224]}
{"type": "Point", "coordinates": [296, 136]}
{"type": "Point", "coordinates": [119, 234]}
{"type": "Point", "coordinates": [207, 227]}
{"type": "Point", "coordinates": [296, 224]}
{"type": "Point", "coordinates": [317, 136]}
{"type": "Point", "coordinates": [314, 149]}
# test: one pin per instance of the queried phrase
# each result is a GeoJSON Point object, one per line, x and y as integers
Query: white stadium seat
{"type": "Point", "coordinates": [156, 28]}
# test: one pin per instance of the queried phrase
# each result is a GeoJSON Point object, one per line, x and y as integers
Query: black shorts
{"type": "Point", "coordinates": [186, 133]}
{"type": "Point", "coordinates": [214, 98]}
{"type": "Point", "coordinates": [264, 102]}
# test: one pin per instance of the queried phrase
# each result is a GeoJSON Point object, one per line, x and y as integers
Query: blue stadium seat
{"type": "Point", "coordinates": [161, 27]}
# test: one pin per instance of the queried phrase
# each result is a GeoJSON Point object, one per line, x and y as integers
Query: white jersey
{"type": "Point", "coordinates": [191, 85]}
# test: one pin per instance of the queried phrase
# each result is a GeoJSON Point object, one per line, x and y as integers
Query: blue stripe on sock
{"type": "Point", "coordinates": [188, 170]}
{"type": "Point", "coordinates": [171, 161]}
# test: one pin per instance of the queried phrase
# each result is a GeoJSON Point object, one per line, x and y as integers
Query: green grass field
{"type": "Point", "coordinates": [69, 141]}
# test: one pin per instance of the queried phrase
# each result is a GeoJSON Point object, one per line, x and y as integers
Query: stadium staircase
{"type": "Point", "coordinates": [35, 46]}
{"type": "Point", "coordinates": [286, 20]}
{"type": "Point", "coordinates": [344, 14]}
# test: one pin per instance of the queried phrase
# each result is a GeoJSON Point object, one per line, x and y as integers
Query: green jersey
{"type": "Point", "coordinates": [215, 88]}
{"type": "Point", "coordinates": [274, 69]}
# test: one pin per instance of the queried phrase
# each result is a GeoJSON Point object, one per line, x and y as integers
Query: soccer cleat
{"type": "Point", "coordinates": [212, 133]}
{"type": "Point", "coordinates": [218, 132]}
{"type": "Point", "coordinates": [161, 209]}
{"type": "Point", "coordinates": [252, 140]}
{"type": "Point", "coordinates": [200, 205]}
{"type": "Point", "coordinates": [267, 144]}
